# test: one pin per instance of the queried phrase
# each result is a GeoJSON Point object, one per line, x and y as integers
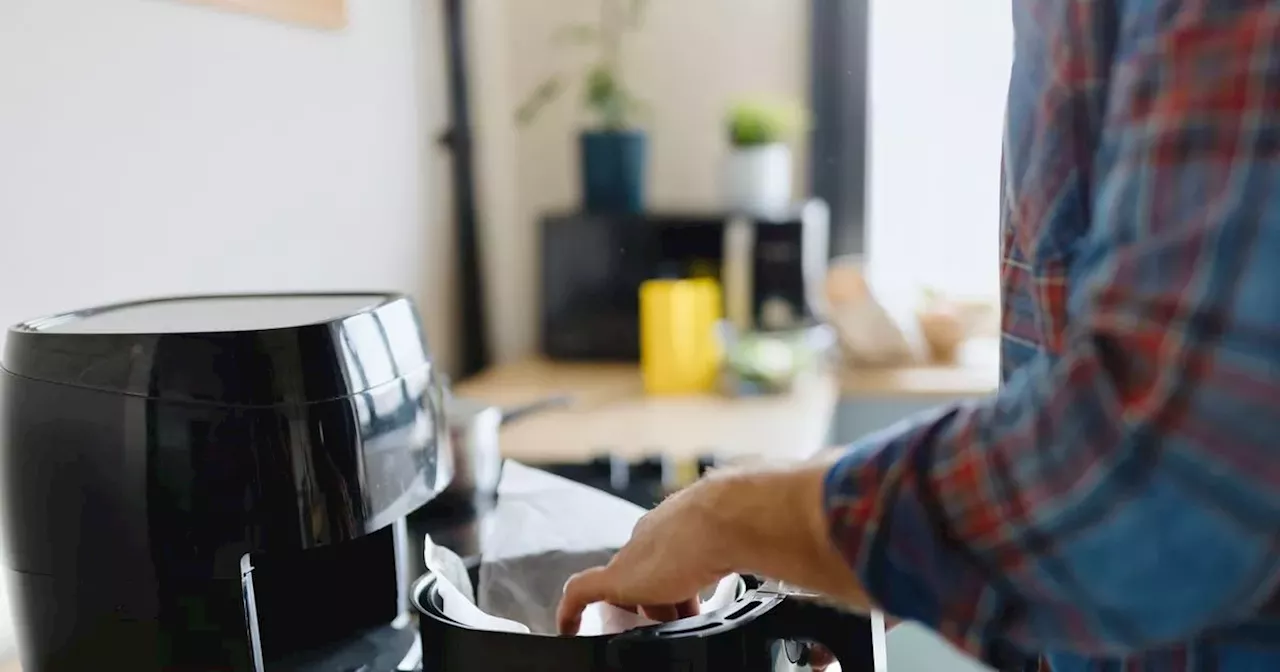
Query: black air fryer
{"type": "Point", "coordinates": [217, 483]}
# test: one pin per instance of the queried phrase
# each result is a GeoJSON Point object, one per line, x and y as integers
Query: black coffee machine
{"type": "Point", "coordinates": [218, 483]}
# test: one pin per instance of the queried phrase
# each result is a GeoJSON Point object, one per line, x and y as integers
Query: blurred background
{"type": "Point", "coordinates": [155, 147]}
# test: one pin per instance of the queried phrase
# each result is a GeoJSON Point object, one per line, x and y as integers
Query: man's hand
{"type": "Point", "coordinates": [675, 551]}
{"type": "Point", "coordinates": [770, 523]}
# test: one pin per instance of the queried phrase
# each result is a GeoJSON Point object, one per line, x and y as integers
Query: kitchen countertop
{"type": "Point", "coordinates": [611, 413]}
{"type": "Point", "coordinates": [975, 373]}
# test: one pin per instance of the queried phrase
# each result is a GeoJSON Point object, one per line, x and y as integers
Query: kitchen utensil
{"type": "Point", "coordinates": [474, 427]}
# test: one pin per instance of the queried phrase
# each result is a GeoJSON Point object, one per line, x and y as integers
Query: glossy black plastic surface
{"type": "Point", "coordinates": [748, 635]}
{"type": "Point", "coordinates": [232, 350]}
{"type": "Point", "coordinates": [147, 478]}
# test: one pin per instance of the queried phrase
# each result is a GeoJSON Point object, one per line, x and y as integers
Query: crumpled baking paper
{"type": "Point", "coordinates": [543, 530]}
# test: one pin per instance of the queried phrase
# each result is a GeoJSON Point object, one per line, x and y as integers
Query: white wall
{"type": "Point", "coordinates": [688, 63]}
{"type": "Point", "coordinates": [151, 147]}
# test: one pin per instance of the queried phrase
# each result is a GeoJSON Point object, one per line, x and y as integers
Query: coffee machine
{"type": "Point", "coordinates": [218, 483]}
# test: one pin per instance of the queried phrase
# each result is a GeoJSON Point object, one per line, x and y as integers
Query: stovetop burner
{"type": "Point", "coordinates": [644, 482]}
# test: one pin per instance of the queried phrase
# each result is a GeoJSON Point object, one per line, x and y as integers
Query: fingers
{"type": "Point", "coordinates": [688, 608]}
{"type": "Point", "coordinates": [582, 589]}
{"type": "Point", "coordinates": [593, 585]}
{"type": "Point", "coordinates": [660, 612]}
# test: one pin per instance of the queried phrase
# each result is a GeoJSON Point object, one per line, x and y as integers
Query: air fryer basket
{"type": "Point", "coordinates": [741, 636]}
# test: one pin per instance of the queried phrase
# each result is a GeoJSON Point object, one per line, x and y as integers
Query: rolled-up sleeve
{"type": "Point", "coordinates": [1124, 491]}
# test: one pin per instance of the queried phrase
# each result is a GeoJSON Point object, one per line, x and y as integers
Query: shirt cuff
{"type": "Point", "coordinates": [889, 531]}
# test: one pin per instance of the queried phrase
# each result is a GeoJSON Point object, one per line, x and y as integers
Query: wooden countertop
{"type": "Point", "coordinates": [976, 373]}
{"type": "Point", "coordinates": [921, 381]}
{"type": "Point", "coordinates": [610, 413]}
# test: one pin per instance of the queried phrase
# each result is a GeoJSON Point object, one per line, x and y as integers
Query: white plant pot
{"type": "Point", "coordinates": [758, 179]}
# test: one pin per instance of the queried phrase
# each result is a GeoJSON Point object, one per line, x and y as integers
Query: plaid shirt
{"type": "Point", "coordinates": [1116, 505]}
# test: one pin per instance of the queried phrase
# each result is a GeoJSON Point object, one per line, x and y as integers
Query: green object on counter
{"type": "Point", "coordinates": [766, 363]}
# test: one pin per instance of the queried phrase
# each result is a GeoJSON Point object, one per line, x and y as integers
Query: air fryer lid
{"type": "Point", "coordinates": [205, 314]}
{"type": "Point", "coordinates": [252, 349]}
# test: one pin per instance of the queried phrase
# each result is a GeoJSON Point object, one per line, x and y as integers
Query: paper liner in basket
{"type": "Point", "coordinates": [543, 529]}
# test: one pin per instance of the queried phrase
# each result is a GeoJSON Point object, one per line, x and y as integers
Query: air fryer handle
{"type": "Point", "coordinates": [848, 636]}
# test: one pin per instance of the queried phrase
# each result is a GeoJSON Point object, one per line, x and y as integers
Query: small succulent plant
{"type": "Point", "coordinates": [757, 123]}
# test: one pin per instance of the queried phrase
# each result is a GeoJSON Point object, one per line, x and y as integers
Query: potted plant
{"type": "Point", "coordinates": [613, 151]}
{"type": "Point", "coordinates": [757, 173]}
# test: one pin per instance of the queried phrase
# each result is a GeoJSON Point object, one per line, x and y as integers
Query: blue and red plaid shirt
{"type": "Point", "coordinates": [1116, 505]}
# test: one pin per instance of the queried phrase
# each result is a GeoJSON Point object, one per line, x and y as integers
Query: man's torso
{"type": "Point", "coordinates": [1064, 54]}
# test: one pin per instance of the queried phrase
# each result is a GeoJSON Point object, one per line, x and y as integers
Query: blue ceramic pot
{"type": "Point", "coordinates": [613, 171]}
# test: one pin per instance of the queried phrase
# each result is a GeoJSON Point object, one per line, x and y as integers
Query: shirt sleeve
{"type": "Point", "coordinates": [1123, 491]}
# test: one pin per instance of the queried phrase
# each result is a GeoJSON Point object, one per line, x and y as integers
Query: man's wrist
{"type": "Point", "coordinates": [773, 523]}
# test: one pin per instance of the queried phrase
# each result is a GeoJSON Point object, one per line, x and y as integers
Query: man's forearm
{"type": "Point", "coordinates": [773, 524]}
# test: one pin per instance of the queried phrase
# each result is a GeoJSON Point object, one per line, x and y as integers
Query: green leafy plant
{"type": "Point", "coordinates": [606, 96]}
{"type": "Point", "coordinates": [758, 123]}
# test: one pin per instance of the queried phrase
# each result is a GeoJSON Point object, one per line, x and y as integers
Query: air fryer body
{"type": "Point", "coordinates": [174, 500]}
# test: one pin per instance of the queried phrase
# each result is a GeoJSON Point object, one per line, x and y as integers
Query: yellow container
{"type": "Point", "coordinates": [680, 351]}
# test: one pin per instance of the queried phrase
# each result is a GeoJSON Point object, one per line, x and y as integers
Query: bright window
{"type": "Point", "coordinates": [938, 78]}
{"type": "Point", "coordinates": [909, 100]}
